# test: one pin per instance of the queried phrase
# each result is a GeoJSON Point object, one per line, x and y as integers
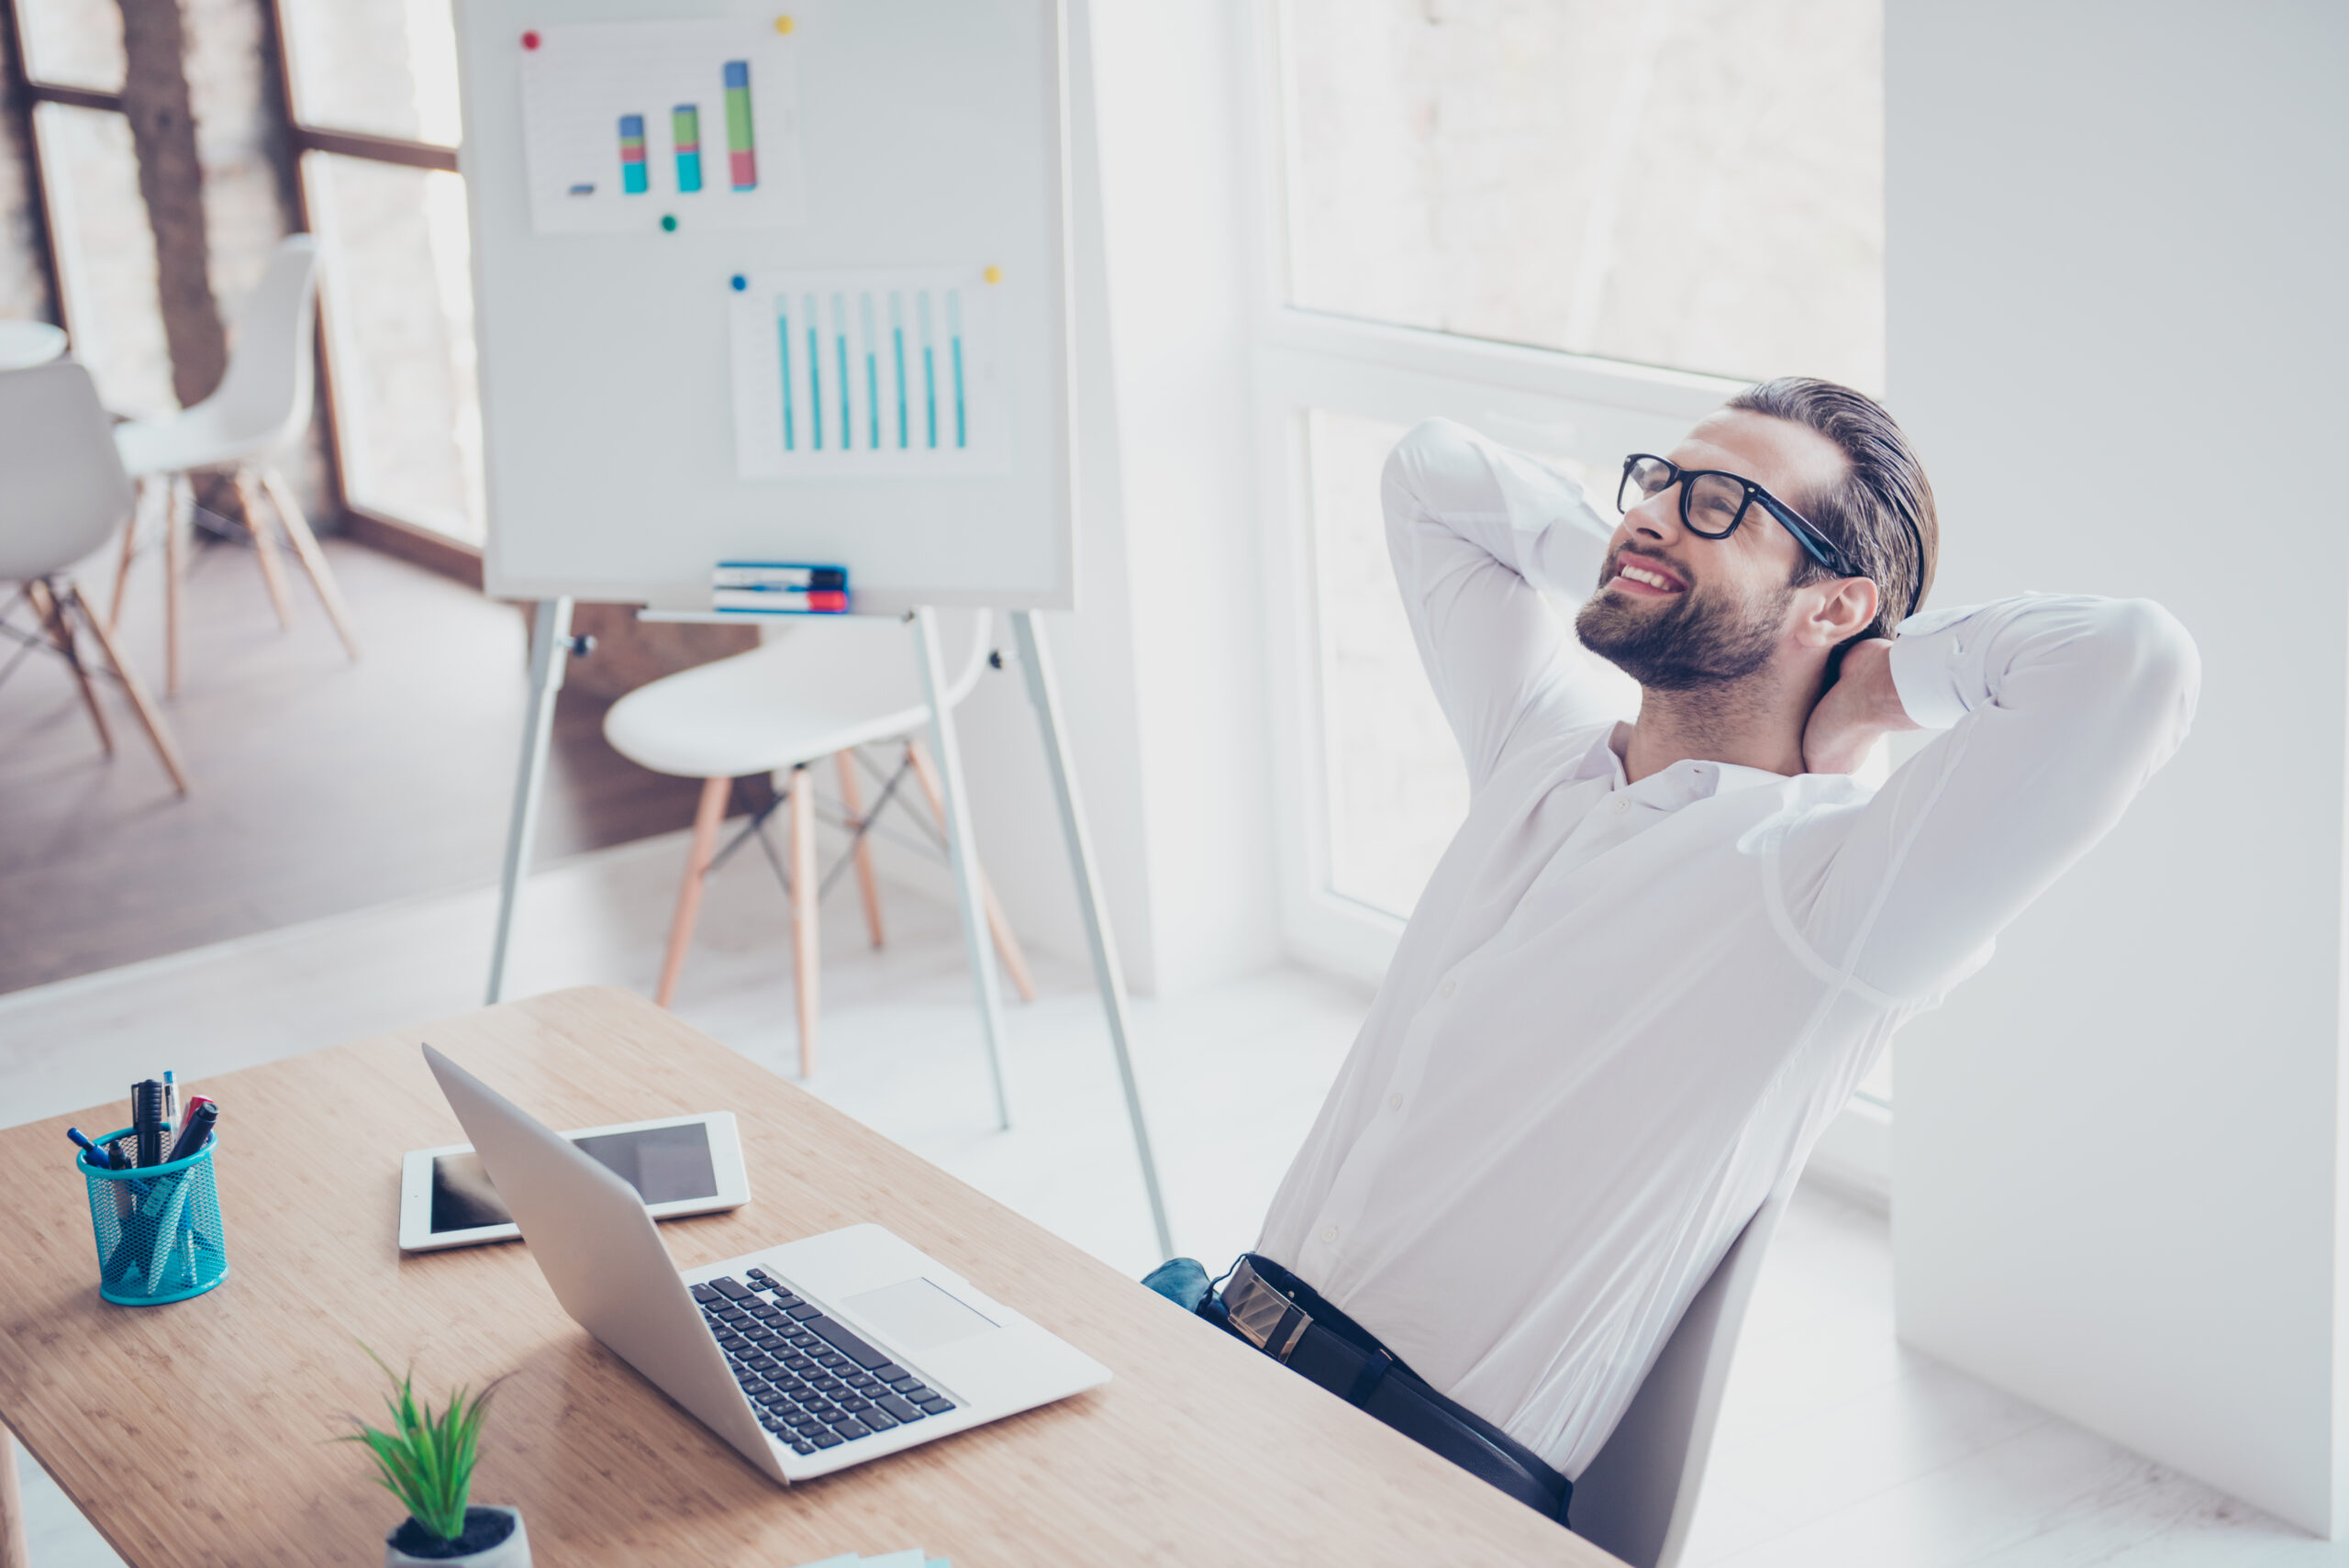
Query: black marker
{"type": "Point", "coordinates": [200, 1117]}
{"type": "Point", "coordinates": [147, 1119]}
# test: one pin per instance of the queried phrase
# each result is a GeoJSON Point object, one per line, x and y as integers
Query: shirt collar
{"type": "Point", "coordinates": [1680, 785]}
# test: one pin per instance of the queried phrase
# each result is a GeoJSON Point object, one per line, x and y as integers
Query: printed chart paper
{"type": "Point", "coordinates": [637, 126]}
{"type": "Point", "coordinates": [868, 374]}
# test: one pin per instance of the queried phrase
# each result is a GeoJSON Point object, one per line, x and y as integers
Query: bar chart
{"type": "Point", "coordinates": [621, 121]}
{"type": "Point", "coordinates": [867, 373]}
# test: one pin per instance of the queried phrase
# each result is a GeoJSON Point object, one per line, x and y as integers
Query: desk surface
{"type": "Point", "coordinates": [196, 1434]}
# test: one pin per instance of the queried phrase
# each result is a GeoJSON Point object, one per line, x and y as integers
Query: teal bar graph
{"type": "Point", "coordinates": [872, 375]}
{"type": "Point", "coordinates": [928, 364]}
{"type": "Point", "coordinates": [840, 343]}
{"type": "Point", "coordinates": [815, 378]}
{"type": "Point", "coordinates": [897, 338]}
{"type": "Point", "coordinates": [782, 320]}
{"type": "Point", "coordinates": [954, 341]}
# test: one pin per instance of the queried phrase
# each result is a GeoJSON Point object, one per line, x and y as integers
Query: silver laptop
{"type": "Point", "coordinates": [808, 1357]}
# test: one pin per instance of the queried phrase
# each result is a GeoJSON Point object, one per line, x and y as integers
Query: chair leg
{"type": "Point", "coordinates": [140, 703]}
{"type": "Point", "coordinates": [179, 515]}
{"type": "Point", "coordinates": [273, 574]}
{"type": "Point", "coordinates": [708, 815]}
{"type": "Point", "coordinates": [130, 553]}
{"type": "Point", "coordinates": [60, 632]}
{"type": "Point", "coordinates": [1006, 946]}
{"type": "Point", "coordinates": [853, 797]}
{"type": "Point", "coordinates": [804, 888]}
{"type": "Point", "coordinates": [15, 1548]}
{"type": "Point", "coordinates": [314, 561]}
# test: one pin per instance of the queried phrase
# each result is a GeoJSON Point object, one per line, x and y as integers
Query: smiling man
{"type": "Point", "coordinates": [1664, 948]}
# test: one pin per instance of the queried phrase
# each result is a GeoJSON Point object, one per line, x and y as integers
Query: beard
{"type": "Point", "coordinates": [1696, 640]}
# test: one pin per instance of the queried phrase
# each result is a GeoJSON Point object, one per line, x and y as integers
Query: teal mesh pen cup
{"type": "Point", "coordinates": [157, 1228]}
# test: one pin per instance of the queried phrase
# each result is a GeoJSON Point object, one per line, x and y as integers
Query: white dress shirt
{"type": "Point", "coordinates": [1621, 1012]}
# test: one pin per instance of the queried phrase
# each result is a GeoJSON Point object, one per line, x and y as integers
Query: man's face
{"type": "Point", "coordinates": [1676, 610]}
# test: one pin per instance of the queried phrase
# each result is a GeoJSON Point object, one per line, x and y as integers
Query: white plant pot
{"type": "Point", "coordinates": [514, 1552]}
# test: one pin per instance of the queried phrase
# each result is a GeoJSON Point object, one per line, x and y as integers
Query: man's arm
{"type": "Point", "coordinates": [1475, 531]}
{"type": "Point", "coordinates": [2058, 711]}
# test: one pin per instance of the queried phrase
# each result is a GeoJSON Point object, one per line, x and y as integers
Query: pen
{"type": "Point", "coordinates": [147, 1119]}
{"type": "Point", "coordinates": [202, 1114]}
{"type": "Point", "coordinates": [171, 1101]}
{"type": "Point", "coordinates": [101, 1154]}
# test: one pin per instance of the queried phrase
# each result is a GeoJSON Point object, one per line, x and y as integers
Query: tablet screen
{"type": "Point", "coordinates": [662, 1164]}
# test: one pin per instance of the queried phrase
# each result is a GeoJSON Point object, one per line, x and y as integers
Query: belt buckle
{"type": "Point", "coordinates": [1262, 1315]}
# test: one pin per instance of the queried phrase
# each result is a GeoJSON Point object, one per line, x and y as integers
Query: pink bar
{"type": "Point", "coordinates": [744, 167]}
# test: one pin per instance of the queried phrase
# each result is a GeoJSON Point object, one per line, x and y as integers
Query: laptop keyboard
{"type": "Point", "coordinates": [815, 1384]}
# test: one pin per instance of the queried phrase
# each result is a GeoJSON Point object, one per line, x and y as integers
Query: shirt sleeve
{"type": "Point", "coordinates": [2056, 710]}
{"type": "Point", "coordinates": [1476, 533]}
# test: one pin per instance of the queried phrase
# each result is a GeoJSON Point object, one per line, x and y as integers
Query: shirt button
{"type": "Point", "coordinates": [1329, 1235]}
{"type": "Point", "coordinates": [1621, 806]}
{"type": "Point", "coordinates": [1448, 987]}
{"type": "Point", "coordinates": [1393, 1102]}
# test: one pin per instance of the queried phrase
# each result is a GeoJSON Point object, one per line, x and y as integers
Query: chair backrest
{"type": "Point", "coordinates": [63, 490]}
{"type": "Point", "coordinates": [1637, 1499]}
{"type": "Point", "coordinates": [265, 395]}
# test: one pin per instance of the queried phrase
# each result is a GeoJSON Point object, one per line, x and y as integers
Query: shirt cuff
{"type": "Point", "coordinates": [1930, 672]}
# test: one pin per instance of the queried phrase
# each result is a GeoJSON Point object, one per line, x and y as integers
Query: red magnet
{"type": "Point", "coordinates": [530, 40]}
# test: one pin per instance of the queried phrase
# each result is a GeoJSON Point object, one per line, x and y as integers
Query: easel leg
{"type": "Point", "coordinates": [16, 1551]}
{"type": "Point", "coordinates": [805, 961]}
{"type": "Point", "coordinates": [549, 652]}
{"type": "Point", "coordinates": [1107, 974]}
{"type": "Point", "coordinates": [960, 848]}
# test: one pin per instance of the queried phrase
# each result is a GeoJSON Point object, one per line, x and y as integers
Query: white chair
{"type": "Point", "coordinates": [1637, 1499]}
{"type": "Point", "coordinates": [65, 492]}
{"type": "Point", "coordinates": [824, 689]}
{"type": "Point", "coordinates": [262, 405]}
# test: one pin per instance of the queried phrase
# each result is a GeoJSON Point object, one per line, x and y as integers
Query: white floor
{"type": "Point", "coordinates": [1837, 1447]}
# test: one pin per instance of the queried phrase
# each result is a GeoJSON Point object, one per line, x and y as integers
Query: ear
{"type": "Point", "coordinates": [1845, 607]}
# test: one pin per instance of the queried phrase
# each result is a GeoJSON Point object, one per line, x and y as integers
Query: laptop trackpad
{"type": "Point", "coordinates": [916, 1315]}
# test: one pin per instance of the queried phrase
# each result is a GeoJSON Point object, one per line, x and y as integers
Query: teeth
{"type": "Point", "coordinates": [1641, 574]}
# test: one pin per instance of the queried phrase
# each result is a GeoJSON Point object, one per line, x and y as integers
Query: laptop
{"type": "Point", "coordinates": [806, 1358]}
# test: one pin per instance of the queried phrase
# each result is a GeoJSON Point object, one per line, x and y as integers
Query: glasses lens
{"type": "Point", "coordinates": [1714, 501]}
{"type": "Point", "coordinates": [1642, 478]}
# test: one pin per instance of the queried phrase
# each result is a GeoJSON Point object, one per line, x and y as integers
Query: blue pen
{"type": "Point", "coordinates": [100, 1155]}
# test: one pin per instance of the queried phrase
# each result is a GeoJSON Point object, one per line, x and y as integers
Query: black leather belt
{"type": "Point", "coordinates": [1286, 1318]}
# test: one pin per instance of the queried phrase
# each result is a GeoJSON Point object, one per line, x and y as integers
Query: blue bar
{"type": "Point", "coordinates": [783, 319]}
{"type": "Point", "coordinates": [871, 373]}
{"type": "Point", "coordinates": [928, 364]}
{"type": "Point", "coordinates": [815, 378]}
{"type": "Point", "coordinates": [897, 335]}
{"type": "Point", "coordinates": [954, 338]}
{"type": "Point", "coordinates": [839, 341]}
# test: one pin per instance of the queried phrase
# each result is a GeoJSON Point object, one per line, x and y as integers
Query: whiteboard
{"type": "Point", "coordinates": [728, 385]}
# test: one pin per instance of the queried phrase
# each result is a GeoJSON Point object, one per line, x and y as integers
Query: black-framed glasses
{"type": "Point", "coordinates": [1713, 502]}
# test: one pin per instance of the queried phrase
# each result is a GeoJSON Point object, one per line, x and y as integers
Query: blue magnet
{"type": "Point", "coordinates": [740, 283]}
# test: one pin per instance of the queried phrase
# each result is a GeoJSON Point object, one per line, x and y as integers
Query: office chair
{"type": "Point", "coordinates": [65, 492]}
{"type": "Point", "coordinates": [826, 688]}
{"type": "Point", "coordinates": [1637, 1498]}
{"type": "Point", "coordinates": [262, 405]}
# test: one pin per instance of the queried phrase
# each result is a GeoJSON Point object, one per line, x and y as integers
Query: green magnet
{"type": "Point", "coordinates": [668, 223]}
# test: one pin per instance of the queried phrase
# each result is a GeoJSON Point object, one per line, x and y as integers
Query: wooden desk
{"type": "Point", "coordinates": [196, 1434]}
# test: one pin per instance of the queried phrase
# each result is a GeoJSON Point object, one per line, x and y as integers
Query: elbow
{"type": "Point", "coordinates": [2153, 669]}
{"type": "Point", "coordinates": [1426, 447]}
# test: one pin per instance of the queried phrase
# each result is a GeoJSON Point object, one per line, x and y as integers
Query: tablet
{"type": "Point", "coordinates": [680, 1165]}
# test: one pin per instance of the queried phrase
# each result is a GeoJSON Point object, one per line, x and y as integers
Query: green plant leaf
{"type": "Point", "coordinates": [427, 1459]}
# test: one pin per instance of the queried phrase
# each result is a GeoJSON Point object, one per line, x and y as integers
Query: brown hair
{"type": "Point", "coordinates": [1882, 513]}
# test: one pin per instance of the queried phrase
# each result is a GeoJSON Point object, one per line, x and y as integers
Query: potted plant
{"type": "Point", "coordinates": [426, 1459]}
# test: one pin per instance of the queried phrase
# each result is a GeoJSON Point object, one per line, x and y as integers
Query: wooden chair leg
{"type": "Point", "coordinates": [140, 703]}
{"type": "Point", "coordinates": [804, 882]}
{"type": "Point", "coordinates": [314, 561]}
{"type": "Point", "coordinates": [1006, 946]}
{"type": "Point", "coordinates": [273, 574]}
{"type": "Point", "coordinates": [16, 1549]}
{"type": "Point", "coordinates": [130, 553]}
{"type": "Point", "coordinates": [179, 515]}
{"type": "Point", "coordinates": [60, 632]}
{"type": "Point", "coordinates": [708, 815]}
{"type": "Point", "coordinates": [853, 797]}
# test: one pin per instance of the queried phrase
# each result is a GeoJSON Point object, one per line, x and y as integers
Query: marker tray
{"type": "Point", "coordinates": [157, 1228]}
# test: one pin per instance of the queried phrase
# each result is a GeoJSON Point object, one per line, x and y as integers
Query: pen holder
{"type": "Point", "coordinates": [157, 1228]}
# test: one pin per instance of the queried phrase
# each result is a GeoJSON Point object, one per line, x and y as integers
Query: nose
{"type": "Point", "coordinates": [1658, 517]}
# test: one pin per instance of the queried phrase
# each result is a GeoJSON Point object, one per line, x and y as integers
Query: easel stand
{"type": "Point", "coordinates": [550, 648]}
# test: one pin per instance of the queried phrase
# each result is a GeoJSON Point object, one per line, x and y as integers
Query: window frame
{"type": "Point", "coordinates": [23, 92]}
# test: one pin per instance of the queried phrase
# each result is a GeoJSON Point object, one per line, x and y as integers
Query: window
{"type": "Point", "coordinates": [1575, 224]}
{"type": "Point", "coordinates": [369, 88]}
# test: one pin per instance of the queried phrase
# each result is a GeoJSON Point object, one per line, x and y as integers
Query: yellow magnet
{"type": "Point", "coordinates": [993, 274]}
{"type": "Point", "coordinates": [783, 24]}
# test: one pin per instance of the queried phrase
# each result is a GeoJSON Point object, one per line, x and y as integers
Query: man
{"type": "Point", "coordinates": [1660, 953]}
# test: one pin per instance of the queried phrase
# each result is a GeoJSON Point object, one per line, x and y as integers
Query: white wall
{"type": "Point", "coordinates": [1162, 665]}
{"type": "Point", "coordinates": [2116, 331]}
